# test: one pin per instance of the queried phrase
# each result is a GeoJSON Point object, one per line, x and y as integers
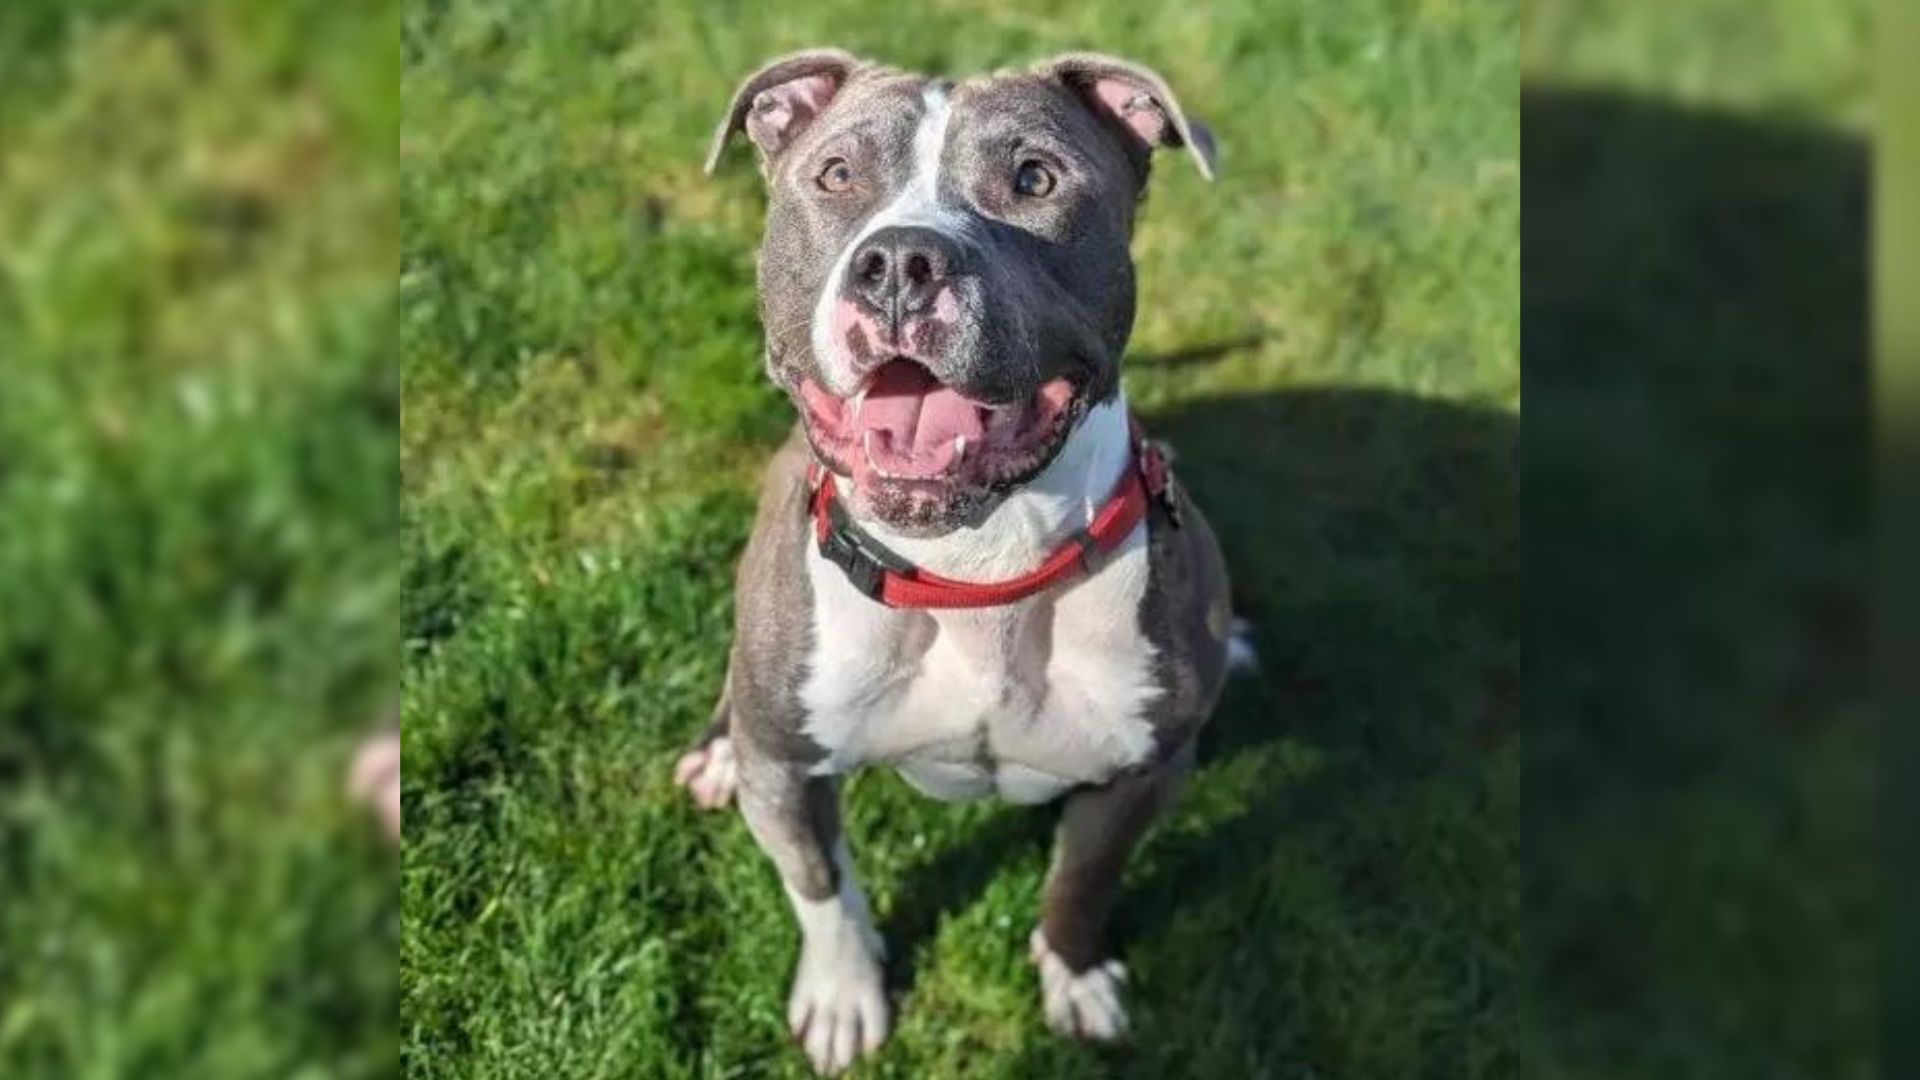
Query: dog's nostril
{"type": "Point", "coordinates": [873, 267]}
{"type": "Point", "coordinates": [919, 269]}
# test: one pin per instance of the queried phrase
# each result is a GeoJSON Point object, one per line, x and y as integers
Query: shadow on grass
{"type": "Point", "coordinates": [1199, 355]}
{"type": "Point", "coordinates": [1695, 514]}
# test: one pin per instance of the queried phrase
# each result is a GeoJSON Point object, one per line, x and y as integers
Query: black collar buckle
{"type": "Point", "coordinates": [862, 558]}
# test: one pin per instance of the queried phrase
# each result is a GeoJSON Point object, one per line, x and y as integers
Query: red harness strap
{"type": "Point", "coordinates": [897, 583]}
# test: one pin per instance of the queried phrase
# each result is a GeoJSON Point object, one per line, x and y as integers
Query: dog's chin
{"type": "Point", "coordinates": [921, 509]}
{"type": "Point", "coordinates": [922, 458]}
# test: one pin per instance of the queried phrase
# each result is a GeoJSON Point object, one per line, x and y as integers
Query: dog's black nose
{"type": "Point", "coordinates": [898, 270]}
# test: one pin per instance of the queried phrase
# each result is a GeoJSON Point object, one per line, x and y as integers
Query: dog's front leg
{"type": "Point", "coordinates": [1081, 984]}
{"type": "Point", "coordinates": [838, 1007]}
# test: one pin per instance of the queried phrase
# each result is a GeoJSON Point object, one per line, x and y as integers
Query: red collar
{"type": "Point", "coordinates": [897, 583]}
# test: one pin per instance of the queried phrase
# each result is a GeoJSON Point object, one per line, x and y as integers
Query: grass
{"type": "Point", "coordinates": [1329, 338]}
{"type": "Point", "coordinates": [1700, 763]}
{"type": "Point", "coordinates": [197, 500]}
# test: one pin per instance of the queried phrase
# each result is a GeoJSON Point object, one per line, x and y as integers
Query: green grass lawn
{"type": "Point", "coordinates": [1328, 336]}
{"type": "Point", "coordinates": [198, 583]}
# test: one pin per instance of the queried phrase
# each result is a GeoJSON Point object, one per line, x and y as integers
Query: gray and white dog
{"type": "Point", "coordinates": [947, 291]}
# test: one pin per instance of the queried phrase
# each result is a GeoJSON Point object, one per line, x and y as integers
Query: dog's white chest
{"type": "Point", "coordinates": [1022, 701]}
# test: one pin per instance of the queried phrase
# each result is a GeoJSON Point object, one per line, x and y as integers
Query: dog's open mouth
{"type": "Point", "coordinates": [904, 428]}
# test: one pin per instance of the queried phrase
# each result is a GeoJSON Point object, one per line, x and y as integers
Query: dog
{"type": "Point", "coordinates": [967, 562]}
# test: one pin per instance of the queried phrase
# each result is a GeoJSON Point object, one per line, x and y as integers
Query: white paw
{"type": "Point", "coordinates": [838, 1011]}
{"type": "Point", "coordinates": [709, 774]}
{"type": "Point", "coordinates": [375, 778]}
{"type": "Point", "coordinates": [1085, 1005]}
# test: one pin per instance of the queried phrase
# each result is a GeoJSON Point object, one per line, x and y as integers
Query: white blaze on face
{"type": "Point", "coordinates": [916, 203]}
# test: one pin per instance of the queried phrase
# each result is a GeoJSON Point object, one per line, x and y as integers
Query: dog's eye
{"type": "Point", "coordinates": [1033, 180]}
{"type": "Point", "coordinates": [836, 176]}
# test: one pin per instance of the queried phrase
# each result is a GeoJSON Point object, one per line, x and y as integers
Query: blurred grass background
{"type": "Point", "coordinates": [1329, 338]}
{"type": "Point", "coordinates": [198, 413]}
{"type": "Point", "coordinates": [1701, 894]}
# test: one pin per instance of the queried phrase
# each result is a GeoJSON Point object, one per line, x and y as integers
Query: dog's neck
{"type": "Point", "coordinates": [1033, 520]}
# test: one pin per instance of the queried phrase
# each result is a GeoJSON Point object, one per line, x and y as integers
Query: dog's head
{"type": "Point", "coordinates": [945, 280]}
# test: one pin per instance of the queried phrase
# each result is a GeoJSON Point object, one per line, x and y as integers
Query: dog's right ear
{"type": "Point", "coordinates": [777, 102]}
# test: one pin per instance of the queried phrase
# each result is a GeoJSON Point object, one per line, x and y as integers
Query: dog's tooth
{"type": "Point", "coordinates": [859, 400]}
{"type": "Point", "coordinates": [959, 448]}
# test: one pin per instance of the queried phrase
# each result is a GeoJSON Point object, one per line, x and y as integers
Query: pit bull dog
{"type": "Point", "coordinates": [967, 563]}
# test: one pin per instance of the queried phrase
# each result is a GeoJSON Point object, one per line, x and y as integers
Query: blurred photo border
{"type": "Point", "coordinates": [1896, 335]}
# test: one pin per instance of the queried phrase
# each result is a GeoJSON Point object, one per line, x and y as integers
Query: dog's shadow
{"type": "Point", "coordinates": [1373, 542]}
{"type": "Point", "coordinates": [1699, 470]}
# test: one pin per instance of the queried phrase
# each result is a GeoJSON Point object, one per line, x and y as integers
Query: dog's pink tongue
{"type": "Point", "coordinates": [915, 418]}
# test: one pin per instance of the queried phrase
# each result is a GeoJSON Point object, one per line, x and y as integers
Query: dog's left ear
{"type": "Point", "coordinates": [1138, 100]}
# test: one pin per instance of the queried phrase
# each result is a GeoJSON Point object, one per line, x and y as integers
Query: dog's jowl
{"type": "Point", "coordinates": [968, 563]}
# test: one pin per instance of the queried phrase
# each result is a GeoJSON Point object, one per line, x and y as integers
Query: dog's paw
{"type": "Point", "coordinates": [1085, 1004]}
{"type": "Point", "coordinates": [709, 773]}
{"type": "Point", "coordinates": [375, 779]}
{"type": "Point", "coordinates": [838, 1010]}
